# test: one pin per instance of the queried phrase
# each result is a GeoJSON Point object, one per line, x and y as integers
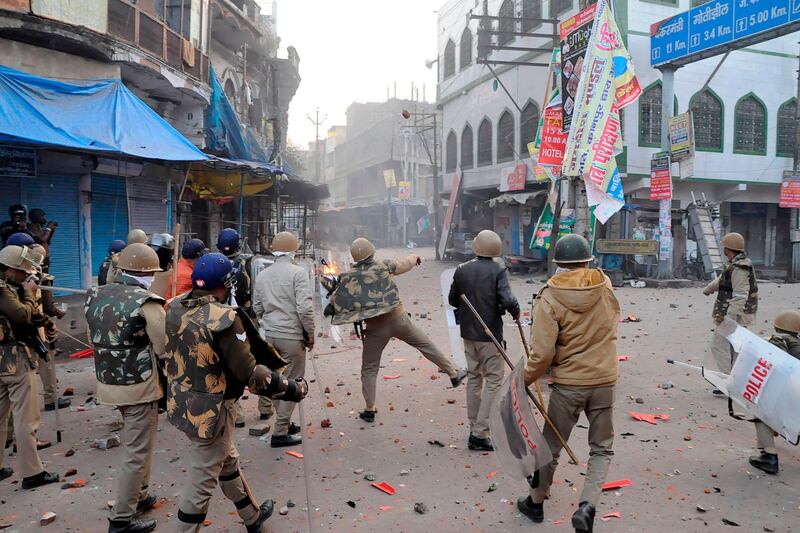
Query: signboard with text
{"type": "Point", "coordinates": [554, 139]}
{"type": "Point", "coordinates": [404, 190]}
{"type": "Point", "coordinates": [16, 161]}
{"type": "Point", "coordinates": [513, 178]}
{"type": "Point", "coordinates": [790, 190]}
{"type": "Point", "coordinates": [660, 177]}
{"type": "Point", "coordinates": [626, 247]}
{"type": "Point", "coordinates": [681, 137]}
{"type": "Point", "coordinates": [388, 178]}
{"type": "Point", "coordinates": [575, 34]}
{"type": "Point", "coordinates": [720, 22]}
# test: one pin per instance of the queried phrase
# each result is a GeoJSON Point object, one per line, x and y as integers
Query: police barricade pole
{"type": "Point", "coordinates": [536, 402]}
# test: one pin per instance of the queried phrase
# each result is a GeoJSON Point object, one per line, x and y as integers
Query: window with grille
{"type": "Point", "coordinates": [750, 126]}
{"type": "Point", "coordinates": [528, 124]}
{"type": "Point", "coordinates": [465, 48]}
{"type": "Point", "coordinates": [707, 118]}
{"type": "Point", "coordinates": [531, 9]}
{"type": "Point", "coordinates": [505, 137]}
{"type": "Point", "coordinates": [449, 59]}
{"type": "Point", "coordinates": [650, 116]}
{"type": "Point", "coordinates": [506, 25]}
{"type": "Point", "coordinates": [485, 143]}
{"type": "Point", "coordinates": [467, 151]}
{"type": "Point", "coordinates": [787, 128]}
{"type": "Point", "coordinates": [557, 7]}
{"type": "Point", "coordinates": [451, 157]}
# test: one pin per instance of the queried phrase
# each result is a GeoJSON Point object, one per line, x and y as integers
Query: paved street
{"type": "Point", "coordinates": [696, 458]}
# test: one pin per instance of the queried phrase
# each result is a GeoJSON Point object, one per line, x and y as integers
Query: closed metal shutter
{"type": "Point", "coordinates": [109, 215]}
{"type": "Point", "coordinates": [10, 194]}
{"type": "Point", "coordinates": [147, 205]}
{"type": "Point", "coordinates": [59, 197]}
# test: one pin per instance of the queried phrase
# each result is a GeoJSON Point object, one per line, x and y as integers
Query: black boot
{"type": "Point", "coordinates": [367, 416]}
{"type": "Point", "coordinates": [281, 441]}
{"type": "Point", "coordinates": [264, 512]}
{"type": "Point", "coordinates": [766, 462]}
{"type": "Point", "coordinates": [42, 478]}
{"type": "Point", "coordinates": [583, 519]}
{"type": "Point", "coordinates": [458, 378]}
{"type": "Point", "coordinates": [477, 443]}
{"type": "Point", "coordinates": [131, 526]}
{"type": "Point", "coordinates": [534, 511]}
{"type": "Point", "coordinates": [265, 416]}
{"type": "Point", "coordinates": [145, 505]}
{"type": "Point", "coordinates": [6, 472]}
{"type": "Point", "coordinates": [294, 429]}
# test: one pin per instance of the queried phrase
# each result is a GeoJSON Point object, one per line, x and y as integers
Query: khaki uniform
{"type": "Point", "coordinates": [126, 328]}
{"type": "Point", "coordinates": [765, 436]}
{"type": "Point", "coordinates": [737, 298]}
{"type": "Point", "coordinates": [368, 293]}
{"type": "Point", "coordinates": [575, 335]}
{"type": "Point", "coordinates": [485, 370]}
{"type": "Point", "coordinates": [18, 387]}
{"type": "Point", "coordinates": [47, 369]}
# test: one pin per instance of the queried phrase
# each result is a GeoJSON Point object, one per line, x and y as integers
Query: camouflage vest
{"type": "Point", "coordinates": [118, 332]}
{"type": "Point", "coordinates": [726, 289]}
{"type": "Point", "coordinates": [195, 370]}
{"type": "Point", "coordinates": [10, 345]}
{"type": "Point", "coordinates": [367, 291]}
{"type": "Point", "coordinates": [787, 342]}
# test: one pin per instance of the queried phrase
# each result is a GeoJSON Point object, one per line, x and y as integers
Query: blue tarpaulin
{"type": "Point", "coordinates": [98, 116]}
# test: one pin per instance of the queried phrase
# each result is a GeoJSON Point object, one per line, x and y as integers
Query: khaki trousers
{"type": "Point", "coordinates": [211, 460]}
{"type": "Point", "coordinates": [485, 370]}
{"type": "Point", "coordinates": [18, 394]}
{"type": "Point", "coordinates": [139, 427]}
{"type": "Point", "coordinates": [378, 332]}
{"type": "Point", "coordinates": [239, 412]}
{"type": "Point", "coordinates": [294, 352]}
{"type": "Point", "coordinates": [265, 405]}
{"type": "Point", "coordinates": [47, 372]}
{"type": "Point", "coordinates": [566, 405]}
{"type": "Point", "coordinates": [721, 350]}
{"type": "Point", "coordinates": [765, 438]}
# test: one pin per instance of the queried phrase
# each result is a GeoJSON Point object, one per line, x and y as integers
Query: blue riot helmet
{"type": "Point", "coordinates": [20, 239]}
{"type": "Point", "coordinates": [228, 241]}
{"type": "Point", "coordinates": [213, 271]}
{"type": "Point", "coordinates": [116, 246]}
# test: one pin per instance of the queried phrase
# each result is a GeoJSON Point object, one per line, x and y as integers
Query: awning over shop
{"type": "Point", "coordinates": [516, 198]}
{"type": "Point", "coordinates": [96, 116]}
{"type": "Point", "coordinates": [219, 178]}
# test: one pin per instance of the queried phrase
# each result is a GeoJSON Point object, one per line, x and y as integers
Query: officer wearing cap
{"type": "Point", "coordinates": [108, 268]}
{"type": "Point", "coordinates": [191, 251]}
{"type": "Point", "coordinates": [574, 336]}
{"type": "Point", "coordinates": [787, 329]}
{"type": "Point", "coordinates": [368, 296]}
{"type": "Point", "coordinates": [737, 298]}
{"type": "Point", "coordinates": [484, 282]}
{"type": "Point", "coordinates": [209, 362]}
{"type": "Point", "coordinates": [126, 329]}
{"type": "Point", "coordinates": [18, 361]}
{"type": "Point", "coordinates": [18, 222]}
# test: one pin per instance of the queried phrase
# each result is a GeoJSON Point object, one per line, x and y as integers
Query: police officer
{"type": "Point", "coordinates": [108, 268]}
{"type": "Point", "coordinates": [787, 328]}
{"type": "Point", "coordinates": [283, 303]}
{"type": "Point", "coordinates": [18, 361]}
{"type": "Point", "coordinates": [485, 283]}
{"type": "Point", "coordinates": [18, 222]}
{"type": "Point", "coordinates": [737, 298]}
{"type": "Point", "coordinates": [137, 236]}
{"type": "Point", "coordinates": [209, 362]}
{"type": "Point", "coordinates": [367, 295]}
{"type": "Point", "coordinates": [126, 328]}
{"type": "Point", "coordinates": [574, 335]}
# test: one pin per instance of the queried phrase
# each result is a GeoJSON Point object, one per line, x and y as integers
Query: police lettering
{"type": "Point", "coordinates": [520, 423]}
{"type": "Point", "coordinates": [757, 379]}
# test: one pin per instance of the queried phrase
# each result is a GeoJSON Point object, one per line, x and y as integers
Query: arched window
{"type": "Point", "coordinates": [528, 124]}
{"type": "Point", "coordinates": [505, 137]}
{"type": "Point", "coordinates": [230, 90]}
{"type": "Point", "coordinates": [465, 49]}
{"type": "Point", "coordinates": [485, 143]}
{"type": "Point", "coordinates": [451, 158]}
{"type": "Point", "coordinates": [707, 118]}
{"type": "Point", "coordinates": [787, 128]}
{"type": "Point", "coordinates": [467, 150]}
{"type": "Point", "coordinates": [506, 23]}
{"type": "Point", "coordinates": [449, 59]}
{"type": "Point", "coordinates": [650, 116]}
{"type": "Point", "coordinates": [750, 126]}
{"type": "Point", "coordinates": [531, 9]}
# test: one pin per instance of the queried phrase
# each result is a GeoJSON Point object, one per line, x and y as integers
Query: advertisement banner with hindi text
{"type": "Point", "coordinates": [660, 177]}
{"type": "Point", "coordinates": [575, 34]}
{"type": "Point", "coordinates": [790, 190]}
{"type": "Point", "coordinates": [681, 137]}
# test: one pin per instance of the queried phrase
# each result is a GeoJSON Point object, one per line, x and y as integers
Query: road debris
{"type": "Point", "coordinates": [420, 508]}
{"type": "Point", "coordinates": [650, 419]}
{"type": "Point", "coordinates": [385, 487]}
{"type": "Point", "coordinates": [47, 518]}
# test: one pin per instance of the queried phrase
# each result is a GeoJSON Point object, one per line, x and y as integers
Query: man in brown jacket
{"type": "Point", "coordinates": [574, 334]}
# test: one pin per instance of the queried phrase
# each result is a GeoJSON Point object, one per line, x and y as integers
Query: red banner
{"type": "Point", "coordinates": [790, 193]}
{"type": "Point", "coordinates": [660, 177]}
{"type": "Point", "coordinates": [554, 140]}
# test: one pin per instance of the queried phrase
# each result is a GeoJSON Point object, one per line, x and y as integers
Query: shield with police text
{"type": "Point", "coordinates": [518, 442]}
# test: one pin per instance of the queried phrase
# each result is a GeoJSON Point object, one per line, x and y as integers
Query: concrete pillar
{"type": "Point", "coordinates": [85, 230]}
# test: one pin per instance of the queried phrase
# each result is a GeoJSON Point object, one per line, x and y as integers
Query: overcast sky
{"type": "Point", "coordinates": [351, 51]}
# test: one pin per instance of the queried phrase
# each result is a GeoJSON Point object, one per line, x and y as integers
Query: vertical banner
{"type": "Point", "coordinates": [681, 137]}
{"type": "Point", "coordinates": [790, 190]}
{"type": "Point", "coordinates": [455, 191]}
{"type": "Point", "coordinates": [404, 190]}
{"type": "Point", "coordinates": [518, 442]}
{"type": "Point", "coordinates": [664, 229]}
{"type": "Point", "coordinates": [554, 140]}
{"type": "Point", "coordinates": [389, 179]}
{"type": "Point", "coordinates": [660, 177]}
{"type": "Point", "coordinates": [575, 34]}
{"type": "Point", "coordinates": [607, 84]}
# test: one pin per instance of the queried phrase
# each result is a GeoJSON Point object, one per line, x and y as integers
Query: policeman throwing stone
{"type": "Point", "coordinates": [126, 329]}
{"type": "Point", "coordinates": [367, 295]}
{"type": "Point", "coordinates": [209, 362]}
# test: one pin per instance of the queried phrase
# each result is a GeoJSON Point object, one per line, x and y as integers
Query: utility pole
{"type": "Point", "coordinates": [794, 214]}
{"type": "Point", "coordinates": [318, 159]}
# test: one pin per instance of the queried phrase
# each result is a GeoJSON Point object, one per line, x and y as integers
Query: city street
{"type": "Point", "coordinates": [688, 473]}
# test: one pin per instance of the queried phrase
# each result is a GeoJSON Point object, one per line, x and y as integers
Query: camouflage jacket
{"type": "Point", "coordinates": [367, 291]}
{"type": "Point", "coordinates": [16, 314]}
{"type": "Point", "coordinates": [727, 290]}
{"type": "Point", "coordinates": [118, 332]}
{"type": "Point", "coordinates": [195, 370]}
{"type": "Point", "coordinates": [787, 342]}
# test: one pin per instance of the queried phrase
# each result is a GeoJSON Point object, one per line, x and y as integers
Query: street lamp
{"type": "Point", "coordinates": [421, 127]}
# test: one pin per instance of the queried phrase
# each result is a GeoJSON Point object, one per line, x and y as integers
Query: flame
{"type": "Point", "coordinates": [331, 269]}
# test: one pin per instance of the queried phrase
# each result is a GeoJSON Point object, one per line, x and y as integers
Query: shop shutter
{"type": "Point", "coordinates": [9, 195]}
{"type": "Point", "coordinates": [146, 205]}
{"type": "Point", "coordinates": [109, 215]}
{"type": "Point", "coordinates": [59, 197]}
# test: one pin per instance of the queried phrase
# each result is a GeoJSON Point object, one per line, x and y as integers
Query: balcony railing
{"type": "Point", "coordinates": [128, 23]}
